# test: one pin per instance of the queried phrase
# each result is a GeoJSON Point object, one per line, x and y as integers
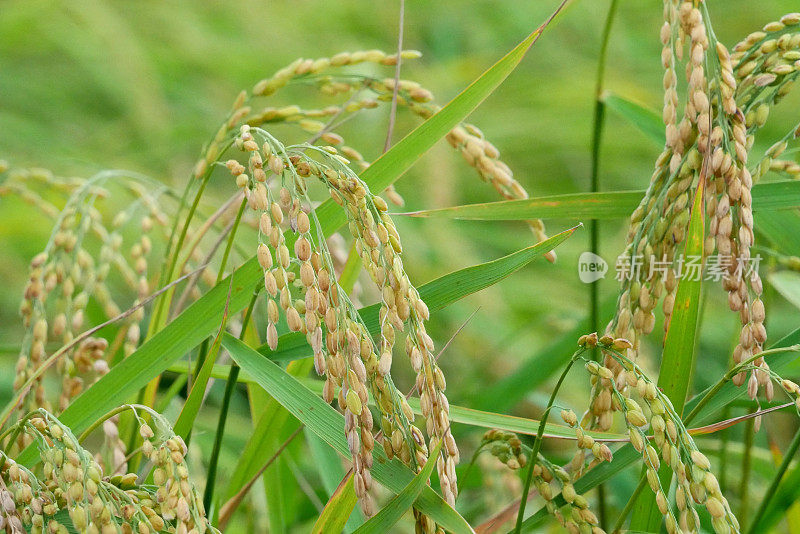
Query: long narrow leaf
{"type": "Point", "coordinates": [183, 425]}
{"type": "Point", "coordinates": [677, 361]}
{"type": "Point", "coordinates": [642, 117]}
{"type": "Point", "coordinates": [782, 230]}
{"type": "Point", "coordinates": [331, 472]}
{"type": "Point", "coordinates": [786, 498]}
{"type": "Point", "coordinates": [597, 206]}
{"type": "Point", "coordinates": [391, 165]}
{"type": "Point", "coordinates": [270, 419]}
{"type": "Point", "coordinates": [151, 359]}
{"type": "Point", "coordinates": [787, 283]}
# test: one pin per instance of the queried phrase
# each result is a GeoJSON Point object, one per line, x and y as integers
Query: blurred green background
{"type": "Point", "coordinates": [90, 85]}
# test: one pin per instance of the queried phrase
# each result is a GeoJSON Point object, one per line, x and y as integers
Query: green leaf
{"type": "Point", "coordinates": [642, 117]}
{"type": "Point", "coordinates": [785, 500]}
{"type": "Point", "coordinates": [787, 283]}
{"type": "Point", "coordinates": [394, 509]}
{"type": "Point", "coordinates": [782, 230]}
{"type": "Point", "coordinates": [776, 196]}
{"type": "Point", "coordinates": [574, 206]}
{"type": "Point", "coordinates": [519, 425]}
{"type": "Point", "coordinates": [597, 206]}
{"type": "Point", "coordinates": [437, 294]}
{"type": "Point", "coordinates": [351, 270]}
{"type": "Point", "coordinates": [331, 472]}
{"type": "Point", "coordinates": [327, 423]}
{"type": "Point", "coordinates": [677, 360]}
{"type": "Point", "coordinates": [279, 483]}
{"type": "Point", "coordinates": [338, 508]}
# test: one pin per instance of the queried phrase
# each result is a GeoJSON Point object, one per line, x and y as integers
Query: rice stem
{"type": "Point", "coordinates": [537, 442]}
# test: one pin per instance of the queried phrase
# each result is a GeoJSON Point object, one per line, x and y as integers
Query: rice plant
{"type": "Point", "coordinates": [252, 352]}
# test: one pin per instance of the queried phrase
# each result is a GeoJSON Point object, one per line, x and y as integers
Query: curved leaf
{"type": "Point", "coordinates": [644, 118]}
{"type": "Point", "coordinates": [392, 164]}
{"type": "Point", "coordinates": [338, 508]}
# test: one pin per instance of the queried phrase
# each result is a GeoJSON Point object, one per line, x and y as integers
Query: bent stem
{"type": "Point", "coordinates": [537, 442]}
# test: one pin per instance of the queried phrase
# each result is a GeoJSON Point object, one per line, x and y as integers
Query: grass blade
{"type": "Point", "coordinates": [338, 509]}
{"type": "Point", "coordinates": [331, 472]}
{"type": "Point", "coordinates": [327, 423]}
{"type": "Point", "coordinates": [770, 494]}
{"type": "Point", "coordinates": [782, 230]}
{"type": "Point", "coordinates": [597, 206]}
{"type": "Point", "coordinates": [677, 361]}
{"type": "Point", "coordinates": [784, 498]}
{"type": "Point", "coordinates": [787, 283]}
{"type": "Point", "coordinates": [233, 503]}
{"type": "Point", "coordinates": [185, 421]}
{"type": "Point", "coordinates": [574, 206]}
{"type": "Point", "coordinates": [394, 509]}
{"type": "Point", "coordinates": [642, 117]}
